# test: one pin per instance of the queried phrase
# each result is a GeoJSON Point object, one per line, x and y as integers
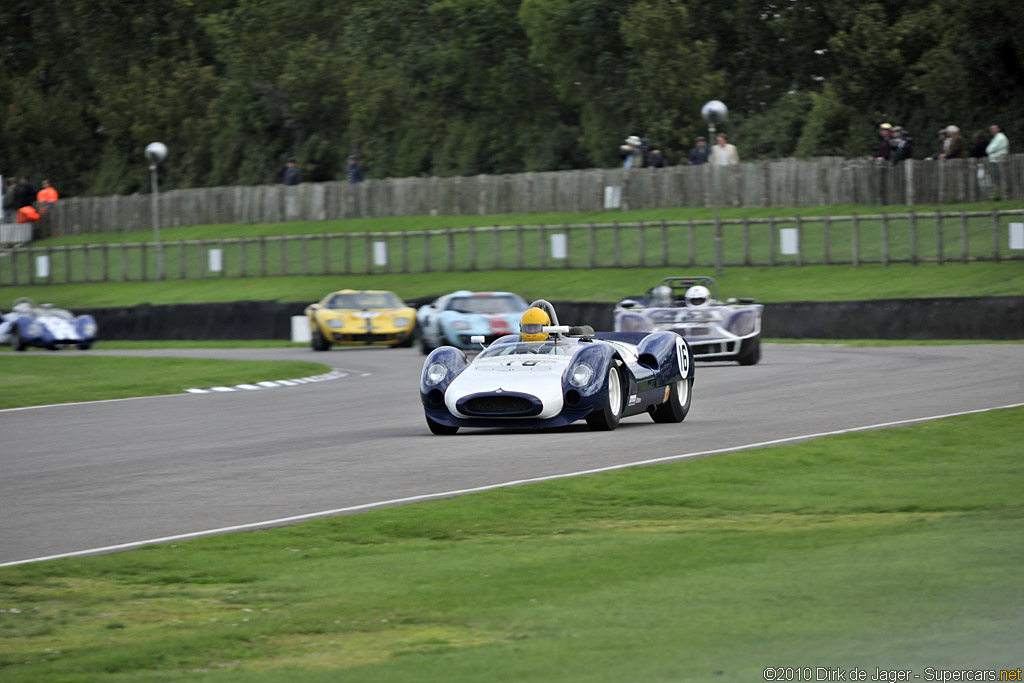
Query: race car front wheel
{"type": "Point", "coordinates": [18, 343]}
{"type": "Point", "coordinates": [317, 341]}
{"type": "Point", "coordinates": [607, 418]}
{"type": "Point", "coordinates": [678, 403]}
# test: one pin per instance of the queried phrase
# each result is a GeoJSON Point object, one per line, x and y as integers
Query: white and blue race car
{"type": "Point", "coordinates": [45, 326]}
{"type": "Point", "coordinates": [574, 374]}
{"type": "Point", "coordinates": [454, 319]}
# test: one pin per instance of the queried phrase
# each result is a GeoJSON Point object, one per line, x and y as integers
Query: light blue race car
{"type": "Point", "coordinates": [45, 326]}
{"type": "Point", "coordinates": [453, 319]}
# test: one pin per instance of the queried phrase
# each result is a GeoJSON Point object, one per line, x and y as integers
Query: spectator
{"type": "Point", "coordinates": [725, 154]}
{"type": "Point", "coordinates": [954, 148]}
{"type": "Point", "coordinates": [979, 141]}
{"type": "Point", "coordinates": [26, 194]}
{"type": "Point", "coordinates": [655, 159]}
{"type": "Point", "coordinates": [291, 174]}
{"type": "Point", "coordinates": [700, 153]}
{"type": "Point", "coordinates": [10, 200]}
{"type": "Point", "coordinates": [355, 170]}
{"type": "Point", "coordinates": [903, 145]}
{"type": "Point", "coordinates": [633, 152]}
{"type": "Point", "coordinates": [27, 214]}
{"type": "Point", "coordinates": [884, 152]}
{"type": "Point", "coordinates": [47, 196]}
{"type": "Point", "coordinates": [997, 150]}
{"type": "Point", "coordinates": [943, 145]}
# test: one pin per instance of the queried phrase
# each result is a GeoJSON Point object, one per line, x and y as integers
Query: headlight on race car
{"type": "Point", "coordinates": [436, 373]}
{"type": "Point", "coordinates": [460, 325]}
{"type": "Point", "coordinates": [400, 322]}
{"type": "Point", "coordinates": [581, 374]}
{"type": "Point", "coordinates": [336, 324]}
{"type": "Point", "coordinates": [35, 330]}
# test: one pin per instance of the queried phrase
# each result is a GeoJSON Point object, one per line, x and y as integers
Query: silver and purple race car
{"type": "Point", "coordinates": [689, 306]}
{"type": "Point", "coordinates": [554, 375]}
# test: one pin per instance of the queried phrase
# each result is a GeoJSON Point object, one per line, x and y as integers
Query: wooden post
{"type": "Point", "coordinates": [799, 241]}
{"type": "Point", "coordinates": [49, 259]}
{"type": "Point", "coordinates": [641, 245]}
{"type": "Point", "coordinates": [85, 263]}
{"type": "Point", "coordinates": [826, 231]}
{"type": "Point", "coordinates": [405, 252]}
{"type": "Point", "coordinates": [368, 251]}
{"type": "Point", "coordinates": [691, 246]}
{"type": "Point", "coordinates": [617, 244]}
{"type": "Point", "coordinates": [885, 239]}
{"type": "Point", "coordinates": [451, 242]}
{"type": "Point", "coordinates": [325, 252]}
{"type": "Point", "coordinates": [282, 242]}
{"type": "Point", "coordinates": [426, 251]}
{"type": "Point", "coordinates": [472, 247]}
{"type": "Point", "coordinates": [124, 264]}
{"type": "Point", "coordinates": [542, 246]}
{"type": "Point", "coordinates": [496, 246]}
{"type": "Point", "coordinates": [182, 273]}
{"type": "Point", "coordinates": [995, 235]}
{"type": "Point", "coordinates": [963, 236]}
{"type": "Point", "coordinates": [202, 258]}
{"type": "Point", "coordinates": [263, 256]}
{"type": "Point", "coordinates": [938, 237]}
{"type": "Point", "coordinates": [913, 237]}
{"type": "Point", "coordinates": [664, 243]}
{"type": "Point", "coordinates": [142, 251]}
{"type": "Point", "coordinates": [591, 245]}
{"type": "Point", "coordinates": [223, 259]}
{"type": "Point", "coordinates": [305, 254]}
{"type": "Point", "coordinates": [746, 241]}
{"type": "Point", "coordinates": [855, 241]}
{"type": "Point", "coordinates": [773, 239]}
{"type": "Point", "coordinates": [519, 247]}
{"type": "Point", "coordinates": [106, 262]}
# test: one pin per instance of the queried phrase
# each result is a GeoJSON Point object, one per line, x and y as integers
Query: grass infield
{"type": "Point", "coordinates": [891, 549]}
{"type": "Point", "coordinates": [31, 379]}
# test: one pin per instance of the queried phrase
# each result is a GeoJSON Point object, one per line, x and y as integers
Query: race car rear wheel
{"type": "Point", "coordinates": [607, 418]}
{"type": "Point", "coordinates": [18, 343]}
{"type": "Point", "coordinates": [678, 403]}
{"type": "Point", "coordinates": [438, 428]}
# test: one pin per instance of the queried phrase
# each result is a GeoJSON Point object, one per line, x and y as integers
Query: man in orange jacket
{"type": "Point", "coordinates": [47, 196]}
{"type": "Point", "coordinates": [27, 214]}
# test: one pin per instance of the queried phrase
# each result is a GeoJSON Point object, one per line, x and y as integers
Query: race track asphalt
{"type": "Point", "coordinates": [88, 476]}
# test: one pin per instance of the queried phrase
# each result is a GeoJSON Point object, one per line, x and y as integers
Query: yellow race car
{"type": "Point", "coordinates": [353, 318]}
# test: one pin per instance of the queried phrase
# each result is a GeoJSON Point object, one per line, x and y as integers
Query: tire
{"type": "Point", "coordinates": [407, 342]}
{"type": "Point", "coordinates": [17, 342]}
{"type": "Point", "coordinates": [678, 404]}
{"type": "Point", "coordinates": [317, 341]}
{"type": "Point", "coordinates": [440, 429]}
{"type": "Point", "coordinates": [750, 351]}
{"type": "Point", "coordinates": [607, 419]}
{"type": "Point", "coordinates": [85, 346]}
{"type": "Point", "coordinates": [424, 346]}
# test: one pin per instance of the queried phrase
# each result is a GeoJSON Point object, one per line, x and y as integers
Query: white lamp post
{"type": "Point", "coordinates": [156, 152]}
{"type": "Point", "coordinates": [714, 112]}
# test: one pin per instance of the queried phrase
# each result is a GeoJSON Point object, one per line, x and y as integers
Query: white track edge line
{"type": "Point", "coordinates": [336, 373]}
{"type": "Point", "coordinates": [491, 487]}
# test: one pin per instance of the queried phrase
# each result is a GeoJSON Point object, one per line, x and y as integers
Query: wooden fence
{"type": "Point", "coordinates": [789, 182]}
{"type": "Point", "coordinates": [932, 237]}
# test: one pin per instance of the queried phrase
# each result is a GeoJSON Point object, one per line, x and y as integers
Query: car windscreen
{"type": "Point", "coordinates": [487, 304]}
{"type": "Point", "coordinates": [546, 348]}
{"type": "Point", "coordinates": [365, 300]}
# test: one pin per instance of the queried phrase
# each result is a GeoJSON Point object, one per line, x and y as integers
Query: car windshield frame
{"type": "Point", "coordinates": [363, 301]}
{"type": "Point", "coordinates": [550, 347]}
{"type": "Point", "coordinates": [512, 304]}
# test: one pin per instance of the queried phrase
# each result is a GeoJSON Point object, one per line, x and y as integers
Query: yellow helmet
{"type": "Point", "coordinates": [531, 326]}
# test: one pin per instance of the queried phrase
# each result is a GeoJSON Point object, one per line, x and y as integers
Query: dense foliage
{"type": "Point", "coordinates": [235, 87]}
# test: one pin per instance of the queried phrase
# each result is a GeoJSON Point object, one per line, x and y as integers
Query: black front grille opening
{"type": "Point", "coordinates": [498, 405]}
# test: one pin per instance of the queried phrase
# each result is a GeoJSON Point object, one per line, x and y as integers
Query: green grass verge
{"type": "Point", "coordinates": [898, 549]}
{"type": "Point", "coordinates": [767, 284]}
{"type": "Point", "coordinates": [29, 379]}
{"type": "Point", "coordinates": [621, 271]}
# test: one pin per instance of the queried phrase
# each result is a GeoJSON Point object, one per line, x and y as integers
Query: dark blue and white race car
{"type": "Point", "coordinates": [45, 326]}
{"type": "Point", "coordinates": [453, 319]}
{"type": "Point", "coordinates": [550, 375]}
